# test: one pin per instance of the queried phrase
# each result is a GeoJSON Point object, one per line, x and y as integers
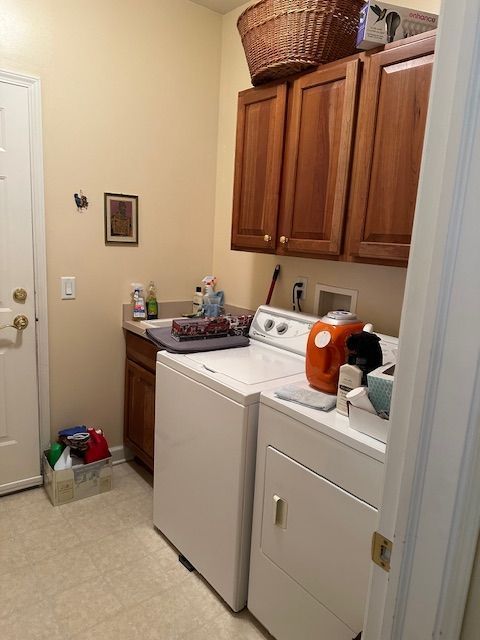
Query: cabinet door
{"type": "Point", "coordinates": [258, 165]}
{"type": "Point", "coordinates": [391, 129]}
{"type": "Point", "coordinates": [318, 160]}
{"type": "Point", "coordinates": [140, 411]}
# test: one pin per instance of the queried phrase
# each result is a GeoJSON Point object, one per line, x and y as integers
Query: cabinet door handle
{"type": "Point", "coordinates": [267, 238]}
{"type": "Point", "coordinates": [283, 240]}
{"type": "Point", "coordinates": [280, 509]}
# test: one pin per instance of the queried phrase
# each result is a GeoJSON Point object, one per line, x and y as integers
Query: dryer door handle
{"type": "Point", "coordinates": [280, 510]}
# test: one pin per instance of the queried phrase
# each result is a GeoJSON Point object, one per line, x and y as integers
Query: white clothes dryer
{"type": "Point", "coordinates": [317, 490]}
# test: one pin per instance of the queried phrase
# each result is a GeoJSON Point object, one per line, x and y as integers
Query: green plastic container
{"type": "Point", "coordinates": [54, 453]}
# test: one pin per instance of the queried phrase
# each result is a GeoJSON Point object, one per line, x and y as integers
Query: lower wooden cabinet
{"type": "Point", "coordinates": [139, 413]}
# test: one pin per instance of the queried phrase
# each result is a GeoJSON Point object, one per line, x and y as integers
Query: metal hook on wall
{"type": "Point", "coordinates": [81, 201]}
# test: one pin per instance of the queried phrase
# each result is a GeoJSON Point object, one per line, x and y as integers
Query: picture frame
{"type": "Point", "coordinates": [121, 219]}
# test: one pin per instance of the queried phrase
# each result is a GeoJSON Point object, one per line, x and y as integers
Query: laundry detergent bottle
{"type": "Point", "coordinates": [326, 349]}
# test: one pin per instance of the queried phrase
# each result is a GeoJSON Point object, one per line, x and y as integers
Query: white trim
{"type": "Point", "coordinates": [432, 486]}
{"type": "Point", "coordinates": [457, 530]}
{"type": "Point", "coordinates": [463, 533]}
{"type": "Point", "coordinates": [19, 485]}
{"type": "Point", "coordinates": [121, 454]}
{"type": "Point", "coordinates": [32, 84]}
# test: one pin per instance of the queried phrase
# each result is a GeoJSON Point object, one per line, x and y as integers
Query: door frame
{"type": "Point", "coordinates": [431, 500]}
{"type": "Point", "coordinates": [33, 87]}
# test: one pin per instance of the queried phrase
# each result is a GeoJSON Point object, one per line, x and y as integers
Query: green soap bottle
{"type": "Point", "coordinates": [152, 304]}
{"type": "Point", "coordinates": [54, 453]}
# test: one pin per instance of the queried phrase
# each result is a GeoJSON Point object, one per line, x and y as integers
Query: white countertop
{"type": "Point", "coordinates": [140, 327]}
{"type": "Point", "coordinates": [168, 311]}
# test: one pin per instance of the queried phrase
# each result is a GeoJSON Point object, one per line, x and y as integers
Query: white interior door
{"type": "Point", "coordinates": [19, 395]}
{"type": "Point", "coordinates": [431, 501]}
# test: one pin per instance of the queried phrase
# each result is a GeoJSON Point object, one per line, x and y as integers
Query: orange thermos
{"type": "Point", "coordinates": [326, 348]}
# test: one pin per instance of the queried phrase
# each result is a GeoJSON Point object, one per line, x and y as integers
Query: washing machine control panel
{"type": "Point", "coordinates": [283, 329]}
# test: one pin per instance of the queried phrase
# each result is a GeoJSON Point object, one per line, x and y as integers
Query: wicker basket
{"type": "Point", "coordinates": [281, 37]}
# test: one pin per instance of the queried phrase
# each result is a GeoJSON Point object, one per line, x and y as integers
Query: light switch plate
{"type": "Point", "coordinates": [68, 288]}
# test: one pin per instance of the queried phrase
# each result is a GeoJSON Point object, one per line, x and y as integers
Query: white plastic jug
{"type": "Point", "coordinates": [64, 461]}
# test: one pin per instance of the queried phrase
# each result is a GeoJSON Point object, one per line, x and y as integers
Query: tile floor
{"type": "Point", "coordinates": [96, 569]}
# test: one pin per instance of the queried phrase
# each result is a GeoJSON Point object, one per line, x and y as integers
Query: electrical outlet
{"type": "Point", "coordinates": [303, 288]}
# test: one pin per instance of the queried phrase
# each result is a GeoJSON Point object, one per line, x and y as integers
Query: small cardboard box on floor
{"type": "Point", "coordinates": [81, 481]}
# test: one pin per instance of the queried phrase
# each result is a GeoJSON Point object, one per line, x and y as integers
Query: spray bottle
{"type": "Point", "coordinates": [138, 301]}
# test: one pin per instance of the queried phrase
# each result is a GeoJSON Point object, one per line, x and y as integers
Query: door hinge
{"type": "Point", "coordinates": [381, 550]}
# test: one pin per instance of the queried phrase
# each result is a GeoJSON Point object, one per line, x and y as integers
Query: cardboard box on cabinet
{"type": "Point", "coordinates": [81, 481]}
{"type": "Point", "coordinates": [381, 23]}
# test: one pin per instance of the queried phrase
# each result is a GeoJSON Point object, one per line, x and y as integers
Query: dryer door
{"type": "Point", "coordinates": [319, 535]}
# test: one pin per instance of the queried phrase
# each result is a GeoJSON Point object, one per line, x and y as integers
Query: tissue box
{"type": "Point", "coordinates": [376, 27]}
{"type": "Point", "coordinates": [380, 386]}
{"type": "Point", "coordinates": [368, 423]}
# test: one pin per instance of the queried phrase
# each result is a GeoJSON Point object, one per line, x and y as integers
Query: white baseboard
{"type": "Point", "coordinates": [21, 484]}
{"type": "Point", "coordinates": [120, 454]}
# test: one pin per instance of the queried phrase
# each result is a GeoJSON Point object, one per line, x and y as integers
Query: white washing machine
{"type": "Point", "coordinates": [317, 490]}
{"type": "Point", "coordinates": [205, 444]}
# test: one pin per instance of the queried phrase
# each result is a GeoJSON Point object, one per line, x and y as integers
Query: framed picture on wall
{"type": "Point", "coordinates": [121, 219]}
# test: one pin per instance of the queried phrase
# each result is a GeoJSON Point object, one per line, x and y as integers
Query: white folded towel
{"type": "Point", "coordinates": [302, 394]}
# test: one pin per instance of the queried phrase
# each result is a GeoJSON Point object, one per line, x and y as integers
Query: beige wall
{"type": "Point", "coordinates": [246, 276]}
{"type": "Point", "coordinates": [130, 104]}
{"type": "Point", "coordinates": [130, 101]}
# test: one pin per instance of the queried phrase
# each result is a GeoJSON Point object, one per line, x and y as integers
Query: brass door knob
{"type": "Point", "coordinates": [19, 323]}
{"type": "Point", "coordinates": [20, 295]}
{"type": "Point", "coordinates": [283, 240]}
{"type": "Point", "coordinates": [267, 238]}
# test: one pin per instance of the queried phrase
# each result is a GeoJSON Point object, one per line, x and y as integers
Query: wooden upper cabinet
{"type": "Point", "coordinates": [343, 184]}
{"type": "Point", "coordinates": [390, 134]}
{"type": "Point", "coordinates": [318, 160]}
{"type": "Point", "coordinates": [258, 166]}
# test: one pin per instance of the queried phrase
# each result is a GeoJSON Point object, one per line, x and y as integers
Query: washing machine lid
{"type": "Point", "coordinates": [239, 374]}
{"type": "Point", "coordinates": [250, 365]}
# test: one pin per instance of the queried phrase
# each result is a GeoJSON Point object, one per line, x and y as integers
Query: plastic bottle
{"type": "Point", "coordinates": [54, 453]}
{"type": "Point", "coordinates": [350, 377]}
{"type": "Point", "coordinates": [359, 398]}
{"type": "Point", "coordinates": [152, 304]}
{"type": "Point", "coordinates": [138, 300]}
{"type": "Point", "coordinates": [64, 461]}
{"type": "Point", "coordinates": [197, 300]}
